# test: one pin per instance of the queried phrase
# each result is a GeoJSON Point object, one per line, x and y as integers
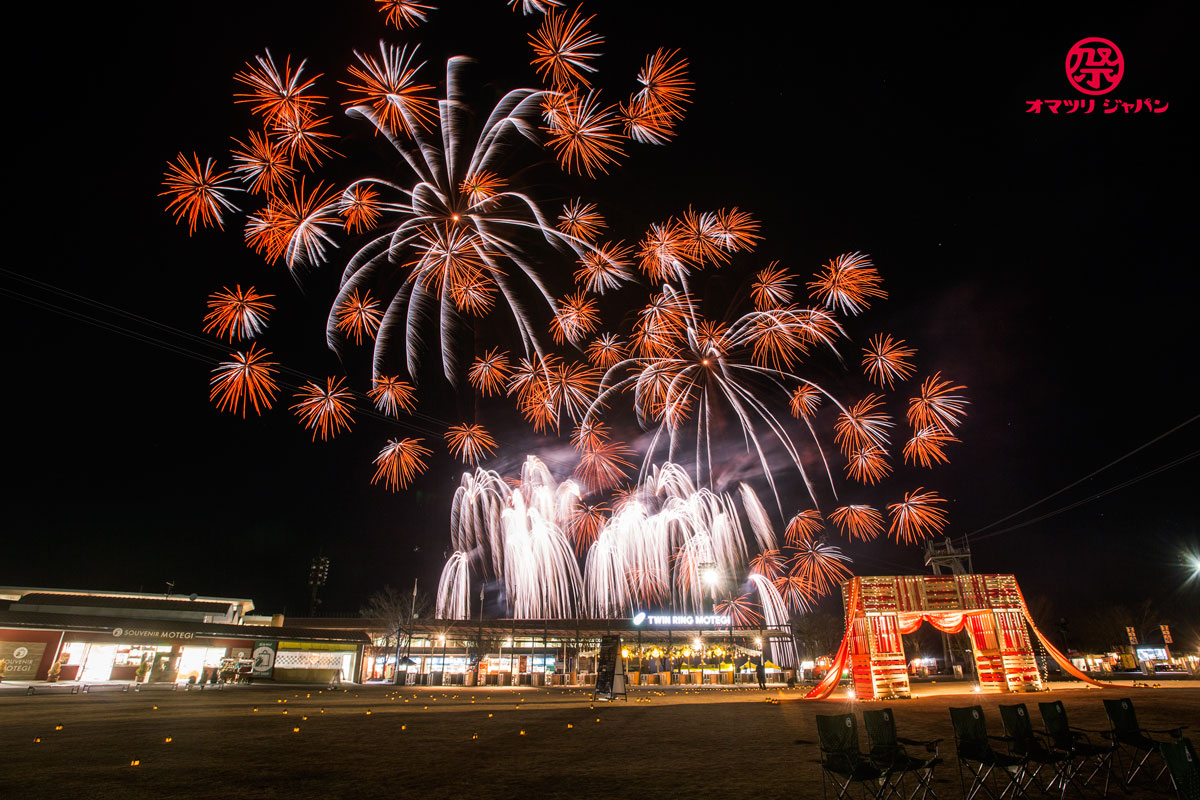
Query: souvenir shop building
{"type": "Point", "coordinates": [659, 648]}
{"type": "Point", "coordinates": [95, 636]}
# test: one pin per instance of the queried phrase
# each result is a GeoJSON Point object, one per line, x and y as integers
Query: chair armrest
{"type": "Point", "coordinates": [1174, 733]}
{"type": "Point", "coordinates": [931, 745]}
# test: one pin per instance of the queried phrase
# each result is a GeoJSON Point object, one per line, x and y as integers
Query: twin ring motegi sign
{"type": "Point", "coordinates": [682, 620]}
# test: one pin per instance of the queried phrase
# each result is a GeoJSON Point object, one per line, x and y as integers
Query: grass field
{"type": "Point", "coordinates": [273, 741]}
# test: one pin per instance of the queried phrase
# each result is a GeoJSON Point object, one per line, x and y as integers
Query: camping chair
{"type": "Point", "coordinates": [841, 761]}
{"type": "Point", "coordinates": [1077, 743]}
{"type": "Point", "coordinates": [1026, 742]}
{"type": "Point", "coordinates": [887, 751]}
{"type": "Point", "coordinates": [1133, 739]}
{"type": "Point", "coordinates": [976, 755]}
{"type": "Point", "coordinates": [1183, 768]}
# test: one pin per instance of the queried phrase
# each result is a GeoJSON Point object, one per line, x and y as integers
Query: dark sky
{"type": "Point", "coordinates": [1045, 261]}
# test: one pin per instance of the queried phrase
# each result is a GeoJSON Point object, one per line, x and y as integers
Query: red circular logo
{"type": "Point", "coordinates": [1095, 65]}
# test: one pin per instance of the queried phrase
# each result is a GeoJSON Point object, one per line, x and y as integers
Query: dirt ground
{"type": "Point", "coordinates": [498, 742]}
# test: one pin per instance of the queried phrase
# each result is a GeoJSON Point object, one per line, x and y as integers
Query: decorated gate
{"type": "Point", "coordinates": [989, 608]}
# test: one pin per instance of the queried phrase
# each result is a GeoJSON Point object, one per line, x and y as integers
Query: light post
{"type": "Point", "coordinates": [442, 675]}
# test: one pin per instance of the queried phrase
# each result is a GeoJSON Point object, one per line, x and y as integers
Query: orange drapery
{"type": "Point", "coordinates": [830, 681]}
{"type": "Point", "coordinates": [1056, 654]}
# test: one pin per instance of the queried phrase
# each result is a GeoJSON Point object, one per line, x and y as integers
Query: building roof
{"type": "Point", "coordinates": [183, 604]}
{"type": "Point", "coordinates": [109, 625]}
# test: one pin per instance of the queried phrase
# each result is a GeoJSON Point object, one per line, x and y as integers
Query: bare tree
{"type": "Point", "coordinates": [397, 612]}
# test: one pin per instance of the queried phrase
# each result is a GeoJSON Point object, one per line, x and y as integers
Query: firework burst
{"type": "Point", "coordinates": [197, 192]}
{"type": "Point", "coordinates": [399, 463]}
{"type": "Point", "coordinates": [325, 410]}
{"type": "Point", "coordinates": [237, 314]}
{"type": "Point", "coordinates": [248, 377]}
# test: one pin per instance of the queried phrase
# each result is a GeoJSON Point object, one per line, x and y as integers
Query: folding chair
{"type": "Point", "coordinates": [887, 751]}
{"type": "Point", "coordinates": [976, 755]}
{"type": "Point", "coordinates": [1183, 768]}
{"type": "Point", "coordinates": [841, 761]}
{"type": "Point", "coordinates": [1024, 741]}
{"type": "Point", "coordinates": [1077, 743]}
{"type": "Point", "coordinates": [1133, 740]}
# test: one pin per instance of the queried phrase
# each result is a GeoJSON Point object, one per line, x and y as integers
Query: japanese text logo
{"type": "Point", "coordinates": [1095, 65]}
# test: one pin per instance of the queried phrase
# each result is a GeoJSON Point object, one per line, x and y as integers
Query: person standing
{"type": "Point", "coordinates": [760, 669]}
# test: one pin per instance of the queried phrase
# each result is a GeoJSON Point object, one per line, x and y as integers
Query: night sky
{"type": "Point", "coordinates": [1044, 261]}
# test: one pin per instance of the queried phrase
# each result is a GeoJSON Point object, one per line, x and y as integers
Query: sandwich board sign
{"type": "Point", "coordinates": [610, 670]}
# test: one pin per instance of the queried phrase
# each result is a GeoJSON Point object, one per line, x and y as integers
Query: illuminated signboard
{"type": "Point", "coordinates": [678, 620]}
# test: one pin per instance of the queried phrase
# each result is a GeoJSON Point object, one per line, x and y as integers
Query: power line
{"type": "Point", "coordinates": [1151, 473]}
{"type": "Point", "coordinates": [1137, 449]}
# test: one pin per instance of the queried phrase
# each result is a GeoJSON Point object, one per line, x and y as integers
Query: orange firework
{"type": "Point", "coordinates": [324, 410]}
{"type": "Point", "coordinates": [471, 443]}
{"type": "Point", "coordinates": [926, 446]}
{"type": "Point", "coordinates": [249, 376]}
{"type": "Point", "coordinates": [703, 239]}
{"type": "Point", "coordinates": [586, 525]}
{"type": "Point", "coordinates": [604, 267]}
{"type": "Point", "coordinates": [803, 527]}
{"type": "Point", "coordinates": [768, 563]}
{"type": "Point", "coordinates": [585, 139]}
{"type": "Point", "coordinates": [588, 434]}
{"type": "Point", "coordinates": [847, 282]}
{"type": "Point", "coordinates": [358, 315]}
{"type": "Point", "coordinates": [489, 372]}
{"type": "Point", "coordinates": [388, 86]}
{"type": "Point", "coordinates": [294, 227]}
{"type": "Point", "coordinates": [711, 337]}
{"type": "Point", "coordinates": [447, 254]}
{"type": "Point", "coordinates": [917, 517]}
{"type": "Point", "coordinates": [858, 522]}
{"type": "Point", "coordinates": [862, 426]}
{"type": "Point", "coordinates": [303, 138]}
{"type": "Point", "coordinates": [534, 6]}
{"type": "Point", "coordinates": [606, 351]}
{"type": "Point", "coordinates": [779, 338]}
{"type": "Point", "coordinates": [561, 48]}
{"type": "Point", "coordinates": [480, 187]}
{"type": "Point", "coordinates": [573, 387]}
{"type": "Point", "coordinates": [795, 590]}
{"type": "Point", "coordinates": [664, 252]}
{"type": "Point", "coordinates": [276, 95]}
{"type": "Point", "coordinates": [887, 360]}
{"type": "Point", "coordinates": [237, 314]}
{"type": "Point", "coordinates": [392, 395]}
{"type": "Point", "coordinates": [735, 230]}
{"type": "Point", "coordinates": [805, 401]}
{"type": "Point", "coordinates": [581, 220]}
{"type": "Point", "coordinates": [645, 122]}
{"type": "Point", "coordinates": [772, 287]}
{"type": "Point", "coordinates": [665, 85]}
{"type": "Point", "coordinates": [399, 13]}
{"type": "Point", "coordinates": [603, 466]}
{"type": "Point", "coordinates": [264, 232]}
{"type": "Point", "coordinates": [196, 192]}
{"type": "Point", "coordinates": [576, 318]}
{"type": "Point", "coordinates": [262, 163]}
{"type": "Point", "coordinates": [399, 462]}
{"type": "Point", "coordinates": [360, 207]}
{"type": "Point", "coordinates": [662, 324]}
{"type": "Point", "coordinates": [742, 610]}
{"type": "Point", "coordinates": [868, 464]}
{"type": "Point", "coordinates": [936, 406]}
{"type": "Point", "coordinates": [822, 566]}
